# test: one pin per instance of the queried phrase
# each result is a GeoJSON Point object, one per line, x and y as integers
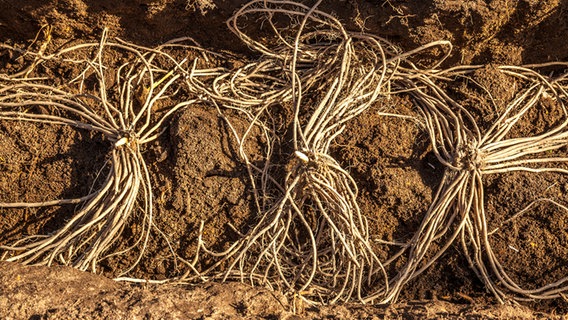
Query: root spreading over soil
{"type": "Point", "coordinates": [320, 152]}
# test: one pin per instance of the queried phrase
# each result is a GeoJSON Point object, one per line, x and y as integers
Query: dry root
{"type": "Point", "coordinates": [311, 240]}
{"type": "Point", "coordinates": [468, 153]}
{"type": "Point", "coordinates": [122, 106]}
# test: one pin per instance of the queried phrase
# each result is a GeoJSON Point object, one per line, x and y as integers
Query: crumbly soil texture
{"type": "Point", "coordinates": [197, 175]}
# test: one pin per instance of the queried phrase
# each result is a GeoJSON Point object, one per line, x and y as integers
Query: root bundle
{"type": "Point", "coordinates": [120, 104]}
{"type": "Point", "coordinates": [469, 153]}
{"type": "Point", "coordinates": [313, 239]}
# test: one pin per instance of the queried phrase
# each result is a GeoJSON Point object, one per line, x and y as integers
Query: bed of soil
{"type": "Point", "coordinates": [197, 175]}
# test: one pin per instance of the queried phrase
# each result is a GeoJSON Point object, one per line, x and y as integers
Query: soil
{"type": "Point", "coordinates": [198, 177]}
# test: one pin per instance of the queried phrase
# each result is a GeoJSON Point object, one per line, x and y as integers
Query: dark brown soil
{"type": "Point", "coordinates": [197, 176]}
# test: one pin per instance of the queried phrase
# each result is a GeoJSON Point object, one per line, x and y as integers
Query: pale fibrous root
{"type": "Point", "coordinates": [468, 153]}
{"type": "Point", "coordinates": [310, 239]}
{"type": "Point", "coordinates": [123, 102]}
